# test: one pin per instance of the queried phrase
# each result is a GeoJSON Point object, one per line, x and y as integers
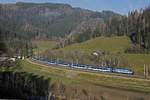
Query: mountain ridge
{"type": "Point", "coordinates": [46, 19]}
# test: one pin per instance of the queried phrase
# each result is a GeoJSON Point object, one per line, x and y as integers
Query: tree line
{"type": "Point", "coordinates": [136, 26]}
{"type": "Point", "coordinates": [14, 45]}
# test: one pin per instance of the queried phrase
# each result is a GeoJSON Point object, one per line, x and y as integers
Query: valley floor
{"type": "Point", "coordinates": [75, 83]}
{"type": "Point", "coordinates": [74, 77]}
{"type": "Point", "coordinates": [114, 47]}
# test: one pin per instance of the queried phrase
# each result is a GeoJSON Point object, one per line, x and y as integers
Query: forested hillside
{"type": "Point", "coordinates": [139, 27]}
{"type": "Point", "coordinates": [46, 20]}
{"type": "Point", "coordinates": [20, 23]}
{"type": "Point", "coordinates": [136, 25]}
{"type": "Point", "coordinates": [2, 45]}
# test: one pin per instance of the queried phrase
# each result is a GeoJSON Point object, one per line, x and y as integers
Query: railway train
{"type": "Point", "coordinates": [96, 68]}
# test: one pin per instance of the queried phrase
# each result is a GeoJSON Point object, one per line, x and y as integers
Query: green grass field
{"type": "Point", "coordinates": [137, 61]}
{"type": "Point", "coordinates": [75, 77]}
{"type": "Point", "coordinates": [113, 44]}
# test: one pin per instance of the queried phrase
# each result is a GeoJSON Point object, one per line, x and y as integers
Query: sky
{"type": "Point", "coordinates": [119, 6]}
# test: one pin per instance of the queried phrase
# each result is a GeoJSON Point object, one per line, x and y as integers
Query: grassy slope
{"type": "Point", "coordinates": [137, 61]}
{"type": "Point", "coordinates": [113, 45]}
{"type": "Point", "coordinates": [71, 77]}
{"type": "Point", "coordinates": [43, 45]}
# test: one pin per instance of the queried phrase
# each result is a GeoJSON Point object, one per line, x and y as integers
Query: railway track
{"type": "Point", "coordinates": [114, 75]}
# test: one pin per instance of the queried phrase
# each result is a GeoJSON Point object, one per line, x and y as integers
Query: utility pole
{"type": "Point", "coordinates": [38, 53]}
{"type": "Point", "coordinates": [127, 24]}
{"type": "Point", "coordinates": [146, 70]}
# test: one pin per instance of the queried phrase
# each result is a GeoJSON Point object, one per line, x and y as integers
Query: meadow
{"type": "Point", "coordinates": [77, 77]}
{"type": "Point", "coordinates": [112, 46]}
